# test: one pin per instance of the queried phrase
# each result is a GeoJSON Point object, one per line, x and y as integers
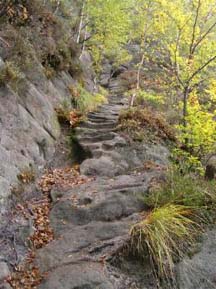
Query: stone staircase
{"type": "Point", "coordinates": [91, 220]}
{"type": "Point", "coordinates": [97, 134]}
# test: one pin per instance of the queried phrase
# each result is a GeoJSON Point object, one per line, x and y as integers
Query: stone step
{"type": "Point", "coordinates": [91, 146]}
{"type": "Point", "coordinates": [93, 125]}
{"type": "Point", "coordinates": [102, 117]}
{"type": "Point", "coordinates": [100, 138]}
{"type": "Point", "coordinates": [118, 141]}
{"type": "Point", "coordinates": [102, 120]}
{"type": "Point", "coordinates": [97, 153]}
{"type": "Point", "coordinates": [84, 130]}
{"type": "Point", "coordinates": [105, 111]}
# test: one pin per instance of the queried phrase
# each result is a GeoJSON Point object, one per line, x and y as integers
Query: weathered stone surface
{"type": "Point", "coordinates": [91, 221]}
{"type": "Point", "coordinates": [210, 172]}
{"type": "Point", "coordinates": [28, 123]}
{"type": "Point", "coordinates": [4, 271]}
{"type": "Point", "coordinates": [86, 275]}
{"type": "Point", "coordinates": [78, 241]}
{"type": "Point", "coordinates": [104, 166]}
{"type": "Point", "coordinates": [199, 272]}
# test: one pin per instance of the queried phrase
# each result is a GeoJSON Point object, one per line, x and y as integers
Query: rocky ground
{"type": "Point", "coordinates": [91, 220]}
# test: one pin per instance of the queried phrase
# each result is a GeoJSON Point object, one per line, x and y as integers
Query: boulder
{"type": "Point", "coordinates": [104, 166]}
{"type": "Point", "coordinates": [210, 172]}
{"type": "Point", "coordinates": [199, 272]}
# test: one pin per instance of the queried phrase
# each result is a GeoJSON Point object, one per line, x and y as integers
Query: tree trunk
{"type": "Point", "coordinates": [134, 95]}
{"type": "Point", "coordinates": [81, 22]}
{"type": "Point", "coordinates": [185, 103]}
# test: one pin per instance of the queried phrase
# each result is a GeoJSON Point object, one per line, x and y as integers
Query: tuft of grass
{"type": "Point", "coordinates": [27, 175]}
{"type": "Point", "coordinates": [63, 111]}
{"type": "Point", "coordinates": [163, 233]}
{"type": "Point", "coordinates": [183, 190]}
{"type": "Point", "coordinates": [180, 208]}
{"type": "Point", "coordinates": [10, 74]}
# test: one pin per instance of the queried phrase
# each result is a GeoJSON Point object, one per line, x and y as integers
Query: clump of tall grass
{"type": "Point", "coordinates": [162, 234]}
{"type": "Point", "coordinates": [178, 211]}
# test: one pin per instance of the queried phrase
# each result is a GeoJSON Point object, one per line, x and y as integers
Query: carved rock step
{"type": "Point", "coordinates": [105, 113]}
{"type": "Point", "coordinates": [92, 130]}
{"type": "Point", "coordinates": [97, 138]}
{"type": "Point", "coordinates": [102, 120]}
{"type": "Point", "coordinates": [102, 117]}
{"type": "Point", "coordinates": [94, 133]}
{"type": "Point", "coordinates": [90, 124]}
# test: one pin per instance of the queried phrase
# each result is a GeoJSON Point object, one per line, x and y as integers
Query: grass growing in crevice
{"type": "Point", "coordinates": [84, 100]}
{"type": "Point", "coordinates": [10, 74]}
{"type": "Point", "coordinates": [179, 210]}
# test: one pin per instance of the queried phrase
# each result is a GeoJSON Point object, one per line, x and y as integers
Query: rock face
{"type": "Point", "coordinates": [210, 172]}
{"type": "Point", "coordinates": [199, 272]}
{"type": "Point", "coordinates": [29, 128]}
{"type": "Point", "coordinates": [28, 122]}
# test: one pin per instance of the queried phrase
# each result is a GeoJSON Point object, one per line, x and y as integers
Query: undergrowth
{"type": "Point", "coordinates": [186, 190]}
{"type": "Point", "coordinates": [84, 100]}
{"type": "Point", "coordinates": [145, 124]}
{"type": "Point", "coordinates": [162, 233]}
{"type": "Point", "coordinates": [179, 210]}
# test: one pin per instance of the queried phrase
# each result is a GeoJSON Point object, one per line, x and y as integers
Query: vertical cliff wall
{"type": "Point", "coordinates": [39, 63]}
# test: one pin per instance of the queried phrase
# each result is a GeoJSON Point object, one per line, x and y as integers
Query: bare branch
{"type": "Point", "coordinates": [204, 36]}
{"type": "Point", "coordinates": [201, 68]}
{"type": "Point", "coordinates": [177, 69]}
{"type": "Point", "coordinates": [194, 28]}
{"type": "Point", "coordinates": [5, 42]}
{"type": "Point", "coordinates": [81, 21]}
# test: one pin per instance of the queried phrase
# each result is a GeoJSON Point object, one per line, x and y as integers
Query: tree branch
{"type": "Point", "coordinates": [201, 68]}
{"type": "Point", "coordinates": [204, 35]}
{"type": "Point", "coordinates": [177, 70]}
{"type": "Point", "coordinates": [194, 28]}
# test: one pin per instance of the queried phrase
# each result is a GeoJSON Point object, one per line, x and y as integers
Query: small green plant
{"type": "Point", "coordinates": [63, 111]}
{"type": "Point", "coordinates": [84, 100]}
{"type": "Point", "coordinates": [162, 234]}
{"type": "Point", "coordinates": [10, 74]}
{"type": "Point", "coordinates": [187, 163]}
{"type": "Point", "coordinates": [26, 176]}
{"type": "Point", "coordinates": [186, 190]}
{"type": "Point", "coordinates": [150, 98]}
{"type": "Point", "coordinates": [199, 135]}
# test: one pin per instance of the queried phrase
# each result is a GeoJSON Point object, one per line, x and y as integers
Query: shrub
{"type": "Point", "coordinates": [163, 233]}
{"type": "Point", "coordinates": [199, 136]}
{"type": "Point", "coordinates": [150, 98]}
{"type": "Point", "coordinates": [142, 123]}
